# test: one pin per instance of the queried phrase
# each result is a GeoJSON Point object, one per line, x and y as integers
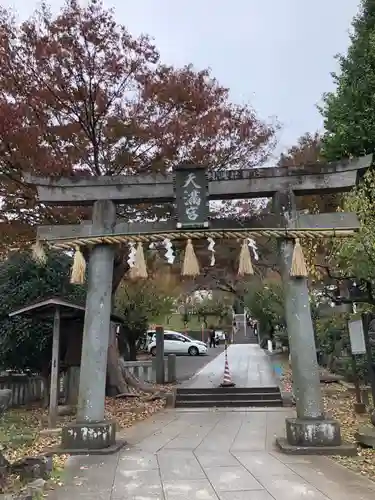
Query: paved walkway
{"type": "Point", "coordinates": [249, 365]}
{"type": "Point", "coordinates": [210, 455]}
{"type": "Point", "coordinates": [187, 366]}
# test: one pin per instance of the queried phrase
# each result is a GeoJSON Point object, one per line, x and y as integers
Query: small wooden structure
{"type": "Point", "coordinates": [68, 319]}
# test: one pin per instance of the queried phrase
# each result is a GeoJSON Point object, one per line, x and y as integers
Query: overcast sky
{"type": "Point", "coordinates": [275, 54]}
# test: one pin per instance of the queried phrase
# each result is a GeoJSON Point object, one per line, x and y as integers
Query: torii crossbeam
{"type": "Point", "coordinates": [222, 185]}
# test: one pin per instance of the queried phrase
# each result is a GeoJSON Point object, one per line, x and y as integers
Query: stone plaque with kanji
{"type": "Point", "coordinates": [191, 186]}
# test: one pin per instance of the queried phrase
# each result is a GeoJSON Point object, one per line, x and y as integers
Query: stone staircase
{"type": "Point", "coordinates": [244, 333]}
{"type": "Point", "coordinates": [229, 397]}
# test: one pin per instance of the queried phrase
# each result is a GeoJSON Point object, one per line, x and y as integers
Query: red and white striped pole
{"type": "Point", "coordinates": [227, 379]}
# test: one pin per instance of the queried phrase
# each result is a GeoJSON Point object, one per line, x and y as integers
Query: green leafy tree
{"type": "Point", "coordinates": [139, 304]}
{"type": "Point", "coordinates": [216, 308]}
{"type": "Point", "coordinates": [332, 337]}
{"type": "Point", "coordinates": [26, 342]}
{"type": "Point", "coordinates": [348, 114]}
{"type": "Point", "coordinates": [355, 256]}
{"type": "Point", "coordinates": [265, 303]}
{"type": "Point", "coordinates": [350, 131]}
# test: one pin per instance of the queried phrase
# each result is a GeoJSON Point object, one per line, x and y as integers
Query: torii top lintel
{"type": "Point", "coordinates": [223, 184]}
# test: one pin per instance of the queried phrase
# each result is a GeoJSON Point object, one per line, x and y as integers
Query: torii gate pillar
{"type": "Point", "coordinates": [91, 432]}
{"type": "Point", "coordinates": [310, 432]}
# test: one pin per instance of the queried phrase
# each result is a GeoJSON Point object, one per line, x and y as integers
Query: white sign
{"type": "Point", "coordinates": [357, 339]}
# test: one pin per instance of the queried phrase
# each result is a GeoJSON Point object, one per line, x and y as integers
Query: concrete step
{"type": "Point", "coordinates": [228, 390]}
{"type": "Point", "coordinates": [228, 397]}
{"type": "Point", "coordinates": [229, 403]}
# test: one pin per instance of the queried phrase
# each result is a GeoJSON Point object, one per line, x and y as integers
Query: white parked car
{"type": "Point", "coordinates": [177, 343]}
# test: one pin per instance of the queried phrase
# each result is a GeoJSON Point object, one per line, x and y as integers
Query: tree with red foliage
{"type": "Point", "coordinates": [79, 95]}
{"type": "Point", "coordinates": [307, 151]}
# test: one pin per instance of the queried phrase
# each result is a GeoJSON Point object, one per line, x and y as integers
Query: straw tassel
{"type": "Point", "coordinates": [190, 266]}
{"type": "Point", "coordinates": [78, 273]}
{"type": "Point", "coordinates": [245, 266]}
{"type": "Point", "coordinates": [298, 269]}
{"type": "Point", "coordinates": [38, 253]}
{"type": "Point", "coordinates": [133, 273]}
{"type": "Point", "coordinates": [139, 270]}
{"type": "Point", "coordinates": [140, 262]}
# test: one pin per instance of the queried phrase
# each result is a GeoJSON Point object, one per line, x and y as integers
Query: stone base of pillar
{"type": "Point", "coordinates": [366, 436]}
{"type": "Point", "coordinates": [288, 399]}
{"type": "Point", "coordinates": [314, 437]}
{"type": "Point", "coordinates": [89, 439]}
{"type": "Point", "coordinates": [171, 399]}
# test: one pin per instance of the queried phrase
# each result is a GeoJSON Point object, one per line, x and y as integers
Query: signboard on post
{"type": "Point", "coordinates": [191, 189]}
{"type": "Point", "coordinates": [357, 339]}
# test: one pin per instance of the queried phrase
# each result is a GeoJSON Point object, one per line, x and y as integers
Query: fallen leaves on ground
{"type": "Point", "coordinates": [20, 429]}
{"type": "Point", "coordinates": [20, 437]}
{"type": "Point", "coordinates": [128, 411]}
{"type": "Point", "coordinates": [338, 404]}
{"type": "Point", "coordinates": [19, 433]}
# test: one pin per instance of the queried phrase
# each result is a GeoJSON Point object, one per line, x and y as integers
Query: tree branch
{"type": "Point", "coordinates": [337, 278]}
{"type": "Point", "coordinates": [370, 299]}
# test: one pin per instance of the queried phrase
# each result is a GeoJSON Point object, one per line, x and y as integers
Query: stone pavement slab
{"type": "Point", "coordinates": [249, 366]}
{"type": "Point", "coordinates": [232, 479]}
{"type": "Point", "coordinates": [210, 455]}
{"type": "Point", "coordinates": [181, 490]}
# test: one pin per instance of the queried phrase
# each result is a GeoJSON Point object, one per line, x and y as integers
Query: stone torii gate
{"type": "Point", "coordinates": [310, 430]}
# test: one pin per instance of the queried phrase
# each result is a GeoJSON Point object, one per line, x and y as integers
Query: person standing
{"type": "Point", "coordinates": [234, 330]}
{"type": "Point", "coordinates": [212, 336]}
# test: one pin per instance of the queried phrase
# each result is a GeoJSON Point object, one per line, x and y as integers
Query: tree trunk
{"type": "Point", "coordinates": [119, 269]}
{"type": "Point", "coordinates": [132, 350]}
{"type": "Point", "coordinates": [116, 383]}
{"type": "Point", "coordinates": [120, 380]}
